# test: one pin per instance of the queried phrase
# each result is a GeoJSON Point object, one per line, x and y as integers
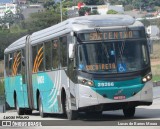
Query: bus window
{"type": "Point", "coordinates": [63, 50]}
{"type": "Point", "coordinates": [48, 55]}
{"type": "Point", "coordinates": [40, 57]}
{"type": "Point", "coordinates": [55, 55]}
{"type": "Point", "coordinates": [10, 64]}
{"type": "Point", "coordinates": [34, 53]}
{"type": "Point", "coordinates": [6, 65]}
{"type": "Point", "coordinates": [37, 56]}
{"type": "Point", "coordinates": [18, 64]}
{"type": "Point", "coordinates": [144, 53]}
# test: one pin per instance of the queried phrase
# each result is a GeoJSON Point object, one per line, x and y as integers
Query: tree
{"type": "Point", "coordinates": [84, 10]}
{"type": "Point", "coordinates": [94, 12]}
{"type": "Point", "coordinates": [112, 11]}
{"type": "Point", "coordinates": [93, 2]}
{"type": "Point", "coordinates": [146, 22]}
{"type": "Point", "coordinates": [49, 4]}
{"type": "Point", "coordinates": [41, 20]}
{"type": "Point", "coordinates": [33, 1]}
{"type": "Point", "coordinates": [128, 7]}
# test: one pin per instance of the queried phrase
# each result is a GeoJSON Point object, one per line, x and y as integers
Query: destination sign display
{"type": "Point", "coordinates": [111, 35]}
{"type": "Point", "coordinates": [101, 67]}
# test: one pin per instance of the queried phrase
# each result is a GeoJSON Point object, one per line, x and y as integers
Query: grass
{"type": "Point", "coordinates": [1, 87]}
{"type": "Point", "coordinates": [1, 91]}
{"type": "Point", "coordinates": [156, 78]}
{"type": "Point", "coordinates": [155, 61]}
{"type": "Point", "coordinates": [156, 50]}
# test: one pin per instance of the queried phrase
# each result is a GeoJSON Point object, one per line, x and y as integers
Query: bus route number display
{"type": "Point", "coordinates": [111, 35]}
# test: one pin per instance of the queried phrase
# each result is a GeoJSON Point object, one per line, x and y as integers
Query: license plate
{"type": "Point", "coordinates": [119, 97]}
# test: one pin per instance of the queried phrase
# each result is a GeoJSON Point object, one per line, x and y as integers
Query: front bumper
{"type": "Point", "coordinates": [88, 97]}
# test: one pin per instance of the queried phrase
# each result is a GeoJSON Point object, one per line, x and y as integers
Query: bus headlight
{"type": "Point", "coordinates": [147, 78]}
{"type": "Point", "coordinates": [144, 79]}
{"type": "Point", "coordinates": [85, 81]}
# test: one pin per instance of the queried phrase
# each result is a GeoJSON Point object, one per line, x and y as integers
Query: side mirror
{"type": "Point", "coordinates": [71, 51]}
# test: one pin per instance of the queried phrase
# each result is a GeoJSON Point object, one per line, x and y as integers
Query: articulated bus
{"type": "Point", "coordinates": [85, 64]}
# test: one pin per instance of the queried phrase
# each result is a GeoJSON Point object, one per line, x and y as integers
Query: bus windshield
{"type": "Point", "coordinates": [113, 57]}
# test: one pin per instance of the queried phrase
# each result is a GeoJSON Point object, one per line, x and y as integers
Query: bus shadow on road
{"type": "Point", "coordinates": [141, 113]}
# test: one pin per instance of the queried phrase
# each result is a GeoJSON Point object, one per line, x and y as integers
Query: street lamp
{"type": "Point", "coordinates": [61, 10]}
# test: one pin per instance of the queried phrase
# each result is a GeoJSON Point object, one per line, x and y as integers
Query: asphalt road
{"type": "Point", "coordinates": [143, 114]}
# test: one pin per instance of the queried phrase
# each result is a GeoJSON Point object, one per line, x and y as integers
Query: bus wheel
{"type": "Point", "coordinates": [20, 111]}
{"type": "Point", "coordinates": [71, 114]}
{"type": "Point", "coordinates": [28, 111]}
{"type": "Point", "coordinates": [129, 112]}
{"type": "Point", "coordinates": [42, 114]}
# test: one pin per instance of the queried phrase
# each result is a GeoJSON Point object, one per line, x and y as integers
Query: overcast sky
{"type": "Point", "coordinates": [5, 1]}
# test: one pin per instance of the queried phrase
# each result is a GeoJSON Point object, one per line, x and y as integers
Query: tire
{"type": "Point", "coordinates": [28, 111]}
{"type": "Point", "coordinates": [71, 114]}
{"type": "Point", "coordinates": [20, 111]}
{"type": "Point", "coordinates": [42, 114]}
{"type": "Point", "coordinates": [7, 107]}
{"type": "Point", "coordinates": [129, 112]}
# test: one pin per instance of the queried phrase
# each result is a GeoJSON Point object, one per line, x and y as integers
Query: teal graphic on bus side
{"type": "Point", "coordinates": [15, 84]}
{"type": "Point", "coordinates": [48, 91]}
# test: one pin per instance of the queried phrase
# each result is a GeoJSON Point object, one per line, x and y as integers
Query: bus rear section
{"type": "Point", "coordinates": [114, 73]}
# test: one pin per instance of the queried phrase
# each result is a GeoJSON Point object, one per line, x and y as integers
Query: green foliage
{"type": "Point", "coordinates": [94, 12]}
{"type": "Point", "coordinates": [1, 87]}
{"type": "Point", "coordinates": [156, 8]}
{"type": "Point", "coordinates": [146, 22]}
{"type": "Point", "coordinates": [128, 7]}
{"type": "Point", "coordinates": [156, 78]}
{"type": "Point", "coordinates": [41, 20]}
{"type": "Point", "coordinates": [137, 3]}
{"type": "Point", "coordinates": [67, 4]}
{"type": "Point", "coordinates": [6, 38]}
{"type": "Point", "coordinates": [49, 4]}
{"type": "Point", "coordinates": [112, 12]}
{"type": "Point", "coordinates": [93, 2]}
{"type": "Point", "coordinates": [33, 1]}
{"type": "Point", "coordinates": [83, 10]}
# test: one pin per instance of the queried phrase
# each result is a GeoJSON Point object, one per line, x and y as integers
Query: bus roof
{"type": "Point", "coordinates": [16, 45]}
{"type": "Point", "coordinates": [77, 24]}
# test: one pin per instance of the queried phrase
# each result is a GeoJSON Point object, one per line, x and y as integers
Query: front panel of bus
{"type": "Point", "coordinates": [113, 66]}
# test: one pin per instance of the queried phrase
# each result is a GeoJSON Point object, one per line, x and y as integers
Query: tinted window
{"type": "Point", "coordinates": [6, 64]}
{"type": "Point", "coordinates": [16, 66]}
{"type": "Point", "coordinates": [113, 57]}
{"type": "Point", "coordinates": [63, 51]}
{"type": "Point", "coordinates": [18, 63]}
{"type": "Point", "coordinates": [55, 54]}
{"type": "Point", "coordinates": [48, 55]}
{"type": "Point", "coordinates": [34, 53]}
{"type": "Point", "coordinates": [10, 64]}
{"type": "Point", "coordinates": [40, 58]}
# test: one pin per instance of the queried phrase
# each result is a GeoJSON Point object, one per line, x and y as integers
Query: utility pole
{"type": "Point", "coordinates": [61, 10]}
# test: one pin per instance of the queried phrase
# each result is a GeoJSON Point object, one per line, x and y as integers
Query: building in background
{"type": "Point", "coordinates": [154, 32]}
{"type": "Point", "coordinates": [8, 7]}
{"type": "Point", "coordinates": [20, 1]}
{"type": "Point", "coordinates": [101, 9]}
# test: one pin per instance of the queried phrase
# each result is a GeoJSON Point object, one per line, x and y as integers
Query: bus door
{"type": "Point", "coordinates": [24, 82]}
